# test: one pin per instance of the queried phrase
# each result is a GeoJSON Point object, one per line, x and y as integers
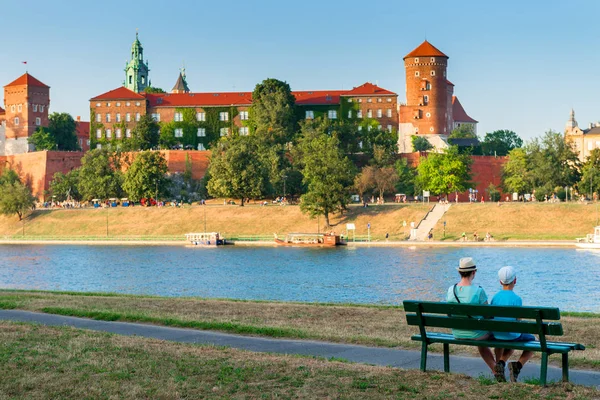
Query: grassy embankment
{"type": "Point", "coordinates": [232, 221]}
{"type": "Point", "coordinates": [63, 363]}
{"type": "Point", "coordinates": [359, 324]}
{"type": "Point", "coordinates": [518, 221]}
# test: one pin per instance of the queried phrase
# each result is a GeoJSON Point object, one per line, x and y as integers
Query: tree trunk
{"type": "Point", "coordinates": [326, 215]}
{"type": "Point", "coordinates": [242, 205]}
{"type": "Point", "coordinates": [20, 214]}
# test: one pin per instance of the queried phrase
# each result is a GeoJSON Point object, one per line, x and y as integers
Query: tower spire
{"type": "Point", "coordinates": [136, 70]}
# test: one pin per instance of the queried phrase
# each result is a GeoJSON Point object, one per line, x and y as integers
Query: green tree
{"type": "Point", "coordinates": [146, 177]}
{"type": "Point", "coordinates": [236, 170]}
{"type": "Point", "coordinates": [63, 127]}
{"type": "Point", "coordinates": [145, 135]}
{"type": "Point", "coordinates": [151, 89]}
{"type": "Point", "coordinates": [443, 173]}
{"type": "Point", "coordinates": [328, 174]}
{"type": "Point", "coordinates": [420, 143]}
{"type": "Point", "coordinates": [65, 186]}
{"type": "Point", "coordinates": [15, 197]}
{"type": "Point", "coordinates": [383, 146]}
{"type": "Point", "coordinates": [590, 174]}
{"type": "Point", "coordinates": [273, 112]}
{"type": "Point", "coordinates": [406, 177]}
{"type": "Point", "coordinates": [99, 176]}
{"type": "Point", "coordinates": [384, 180]}
{"type": "Point", "coordinates": [500, 142]}
{"type": "Point", "coordinates": [464, 131]}
{"type": "Point", "coordinates": [515, 172]}
{"type": "Point", "coordinates": [42, 139]}
{"type": "Point", "coordinates": [363, 181]}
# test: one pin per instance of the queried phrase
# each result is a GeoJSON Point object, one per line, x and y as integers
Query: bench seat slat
{"type": "Point", "coordinates": [555, 347]}
{"type": "Point", "coordinates": [525, 312]}
{"type": "Point", "coordinates": [443, 321]}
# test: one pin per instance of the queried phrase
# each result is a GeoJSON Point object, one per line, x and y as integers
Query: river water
{"type": "Point", "coordinates": [566, 278]}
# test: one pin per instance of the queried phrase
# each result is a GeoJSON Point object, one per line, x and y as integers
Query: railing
{"type": "Point", "coordinates": [426, 215]}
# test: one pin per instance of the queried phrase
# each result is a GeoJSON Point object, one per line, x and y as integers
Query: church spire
{"type": "Point", "coordinates": [136, 70]}
{"type": "Point", "coordinates": [571, 123]}
{"type": "Point", "coordinates": [181, 85]}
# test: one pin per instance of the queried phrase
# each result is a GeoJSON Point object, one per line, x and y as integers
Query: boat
{"type": "Point", "coordinates": [206, 239]}
{"type": "Point", "coordinates": [310, 239]}
{"type": "Point", "coordinates": [591, 241]}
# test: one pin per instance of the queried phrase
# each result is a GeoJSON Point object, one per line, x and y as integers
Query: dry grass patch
{"type": "Point", "coordinates": [229, 220]}
{"type": "Point", "coordinates": [537, 221]}
{"type": "Point", "coordinates": [42, 362]}
{"type": "Point", "coordinates": [368, 325]}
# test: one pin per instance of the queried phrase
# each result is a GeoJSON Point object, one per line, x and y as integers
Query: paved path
{"type": "Point", "coordinates": [430, 221]}
{"type": "Point", "coordinates": [406, 359]}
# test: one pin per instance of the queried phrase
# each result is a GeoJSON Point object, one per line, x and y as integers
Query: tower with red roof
{"type": "Point", "coordinates": [26, 103]}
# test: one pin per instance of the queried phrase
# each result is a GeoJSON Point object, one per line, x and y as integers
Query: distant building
{"type": "Point", "coordinates": [82, 131]}
{"type": "Point", "coordinates": [430, 104]}
{"type": "Point", "coordinates": [583, 140]}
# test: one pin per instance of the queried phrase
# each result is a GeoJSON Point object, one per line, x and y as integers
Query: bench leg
{"type": "Point", "coordinates": [544, 372]}
{"type": "Point", "coordinates": [565, 367]}
{"type": "Point", "coordinates": [446, 357]}
{"type": "Point", "coordinates": [423, 356]}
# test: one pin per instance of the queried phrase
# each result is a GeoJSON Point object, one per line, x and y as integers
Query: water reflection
{"type": "Point", "coordinates": [555, 277]}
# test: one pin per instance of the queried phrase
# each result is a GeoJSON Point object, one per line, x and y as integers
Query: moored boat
{"type": "Point", "coordinates": [591, 241]}
{"type": "Point", "coordinates": [310, 239]}
{"type": "Point", "coordinates": [208, 239]}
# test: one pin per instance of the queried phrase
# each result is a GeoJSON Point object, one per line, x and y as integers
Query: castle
{"type": "Point", "coordinates": [583, 140]}
{"type": "Point", "coordinates": [430, 110]}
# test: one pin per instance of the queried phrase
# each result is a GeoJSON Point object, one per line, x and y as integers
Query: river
{"type": "Point", "coordinates": [566, 278]}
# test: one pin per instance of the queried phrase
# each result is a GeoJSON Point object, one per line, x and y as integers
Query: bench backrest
{"type": "Point", "coordinates": [481, 317]}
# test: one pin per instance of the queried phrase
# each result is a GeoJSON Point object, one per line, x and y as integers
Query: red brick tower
{"type": "Point", "coordinates": [428, 108]}
{"type": "Point", "coordinates": [26, 102]}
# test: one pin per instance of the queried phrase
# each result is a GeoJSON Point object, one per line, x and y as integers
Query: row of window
{"type": "Point", "coordinates": [370, 100]}
{"type": "Point", "coordinates": [432, 73]}
{"type": "Point", "coordinates": [332, 114]}
{"type": "Point", "coordinates": [99, 146]}
{"type": "Point", "coordinates": [19, 108]}
{"type": "Point", "coordinates": [432, 59]}
{"type": "Point", "coordinates": [118, 117]}
{"type": "Point", "coordinates": [369, 128]}
{"type": "Point", "coordinates": [118, 104]}
{"type": "Point", "coordinates": [38, 121]}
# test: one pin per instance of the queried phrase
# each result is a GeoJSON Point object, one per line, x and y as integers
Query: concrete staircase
{"type": "Point", "coordinates": [429, 222]}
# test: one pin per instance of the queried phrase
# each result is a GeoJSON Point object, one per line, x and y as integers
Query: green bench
{"type": "Point", "coordinates": [533, 320]}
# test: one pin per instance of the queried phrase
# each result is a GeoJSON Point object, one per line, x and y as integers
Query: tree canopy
{"type": "Point", "coordinates": [145, 135]}
{"type": "Point", "coordinates": [590, 174]}
{"type": "Point", "coordinates": [273, 112]}
{"type": "Point", "coordinates": [420, 143]}
{"type": "Point", "coordinates": [152, 89]}
{"type": "Point", "coordinates": [464, 131]}
{"type": "Point", "coordinates": [443, 173]}
{"type": "Point", "coordinates": [146, 177]}
{"type": "Point", "coordinates": [59, 135]}
{"type": "Point", "coordinates": [99, 177]}
{"type": "Point", "coordinates": [42, 139]}
{"type": "Point", "coordinates": [15, 197]}
{"type": "Point", "coordinates": [65, 186]}
{"type": "Point", "coordinates": [500, 142]}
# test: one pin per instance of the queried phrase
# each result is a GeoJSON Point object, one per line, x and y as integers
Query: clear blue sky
{"type": "Point", "coordinates": [518, 65]}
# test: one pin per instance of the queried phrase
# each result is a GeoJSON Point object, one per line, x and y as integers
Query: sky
{"type": "Point", "coordinates": [518, 65]}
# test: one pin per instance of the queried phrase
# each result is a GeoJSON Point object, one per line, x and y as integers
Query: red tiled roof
{"type": "Point", "coordinates": [121, 93]}
{"type": "Point", "coordinates": [26, 79]}
{"type": "Point", "coordinates": [318, 97]}
{"type": "Point", "coordinates": [425, 49]}
{"type": "Point", "coordinates": [82, 128]}
{"type": "Point", "coordinates": [449, 83]}
{"type": "Point", "coordinates": [199, 99]}
{"type": "Point", "coordinates": [368, 89]}
{"type": "Point", "coordinates": [458, 112]}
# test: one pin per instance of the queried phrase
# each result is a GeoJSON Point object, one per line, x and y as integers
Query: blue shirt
{"type": "Point", "coordinates": [467, 295]}
{"type": "Point", "coordinates": [506, 298]}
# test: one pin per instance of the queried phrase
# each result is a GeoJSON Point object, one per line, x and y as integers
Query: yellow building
{"type": "Point", "coordinates": [583, 140]}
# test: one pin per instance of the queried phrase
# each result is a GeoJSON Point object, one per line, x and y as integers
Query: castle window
{"type": "Point", "coordinates": [310, 114]}
{"type": "Point", "coordinates": [369, 100]}
{"type": "Point", "coordinates": [224, 131]}
{"type": "Point", "coordinates": [359, 128]}
{"type": "Point", "coordinates": [417, 73]}
{"type": "Point", "coordinates": [444, 73]}
{"type": "Point", "coordinates": [425, 100]}
{"type": "Point", "coordinates": [98, 117]}
{"type": "Point", "coordinates": [349, 113]}
{"type": "Point", "coordinates": [428, 86]}
{"type": "Point", "coordinates": [128, 133]}
{"type": "Point", "coordinates": [428, 115]}
{"type": "Point", "coordinates": [379, 100]}
{"type": "Point", "coordinates": [201, 132]}
{"type": "Point", "coordinates": [389, 100]}
{"type": "Point", "coordinates": [244, 115]}
{"type": "Point", "coordinates": [379, 113]}
{"type": "Point", "coordinates": [224, 116]}
{"type": "Point", "coordinates": [359, 114]}
{"type": "Point", "coordinates": [179, 132]}
{"type": "Point", "coordinates": [38, 121]}
{"type": "Point", "coordinates": [128, 117]}
{"type": "Point", "coordinates": [137, 103]}
{"type": "Point", "coordinates": [332, 114]}
{"type": "Point", "coordinates": [432, 59]}
{"type": "Point", "coordinates": [360, 144]}
{"type": "Point", "coordinates": [118, 104]}
{"type": "Point", "coordinates": [107, 104]}
{"type": "Point", "coordinates": [12, 108]}
{"type": "Point", "coordinates": [98, 104]}
{"type": "Point", "coordinates": [244, 131]}
{"type": "Point", "coordinates": [118, 117]}
{"type": "Point", "coordinates": [200, 116]}
{"type": "Point", "coordinates": [19, 108]}
{"type": "Point", "coordinates": [107, 117]}
{"type": "Point", "coordinates": [349, 100]}
{"type": "Point", "coordinates": [177, 118]}
{"type": "Point", "coordinates": [41, 108]}
{"type": "Point", "coordinates": [143, 80]}
{"type": "Point", "coordinates": [17, 121]}
{"type": "Point", "coordinates": [201, 146]}
{"type": "Point", "coordinates": [118, 133]}
{"type": "Point", "coordinates": [431, 129]}
{"type": "Point", "coordinates": [360, 100]}
{"type": "Point", "coordinates": [35, 108]}
{"type": "Point", "coordinates": [98, 146]}
{"type": "Point", "coordinates": [416, 60]}
{"type": "Point", "coordinates": [389, 128]}
{"type": "Point", "coordinates": [369, 113]}
{"type": "Point", "coordinates": [87, 142]}
{"type": "Point", "coordinates": [369, 128]}
{"type": "Point", "coordinates": [128, 104]}
{"type": "Point", "coordinates": [379, 127]}
{"type": "Point", "coordinates": [130, 79]}
{"type": "Point", "coordinates": [108, 133]}
{"type": "Point", "coordinates": [389, 113]}
{"type": "Point", "coordinates": [137, 116]}
{"type": "Point", "coordinates": [99, 133]}
{"type": "Point", "coordinates": [432, 73]}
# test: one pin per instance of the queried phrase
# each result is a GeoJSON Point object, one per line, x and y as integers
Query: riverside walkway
{"type": "Point", "coordinates": [405, 359]}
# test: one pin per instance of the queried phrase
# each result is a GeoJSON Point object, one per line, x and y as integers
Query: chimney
{"type": "Point", "coordinates": [591, 125]}
{"type": "Point", "coordinates": [78, 118]}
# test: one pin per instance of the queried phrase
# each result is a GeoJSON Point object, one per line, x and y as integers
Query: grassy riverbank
{"type": "Point", "coordinates": [368, 325]}
{"type": "Point", "coordinates": [41, 362]}
{"type": "Point", "coordinates": [510, 221]}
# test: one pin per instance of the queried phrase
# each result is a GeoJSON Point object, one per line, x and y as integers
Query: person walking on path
{"type": "Point", "coordinates": [507, 297]}
{"type": "Point", "coordinates": [464, 292]}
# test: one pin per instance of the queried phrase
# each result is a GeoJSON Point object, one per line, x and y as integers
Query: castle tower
{"type": "Point", "coordinates": [571, 123]}
{"type": "Point", "coordinates": [181, 85]}
{"type": "Point", "coordinates": [26, 103]}
{"type": "Point", "coordinates": [136, 70]}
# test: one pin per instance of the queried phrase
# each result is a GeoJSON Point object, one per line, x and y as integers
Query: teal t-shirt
{"type": "Point", "coordinates": [506, 298]}
{"type": "Point", "coordinates": [467, 295]}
